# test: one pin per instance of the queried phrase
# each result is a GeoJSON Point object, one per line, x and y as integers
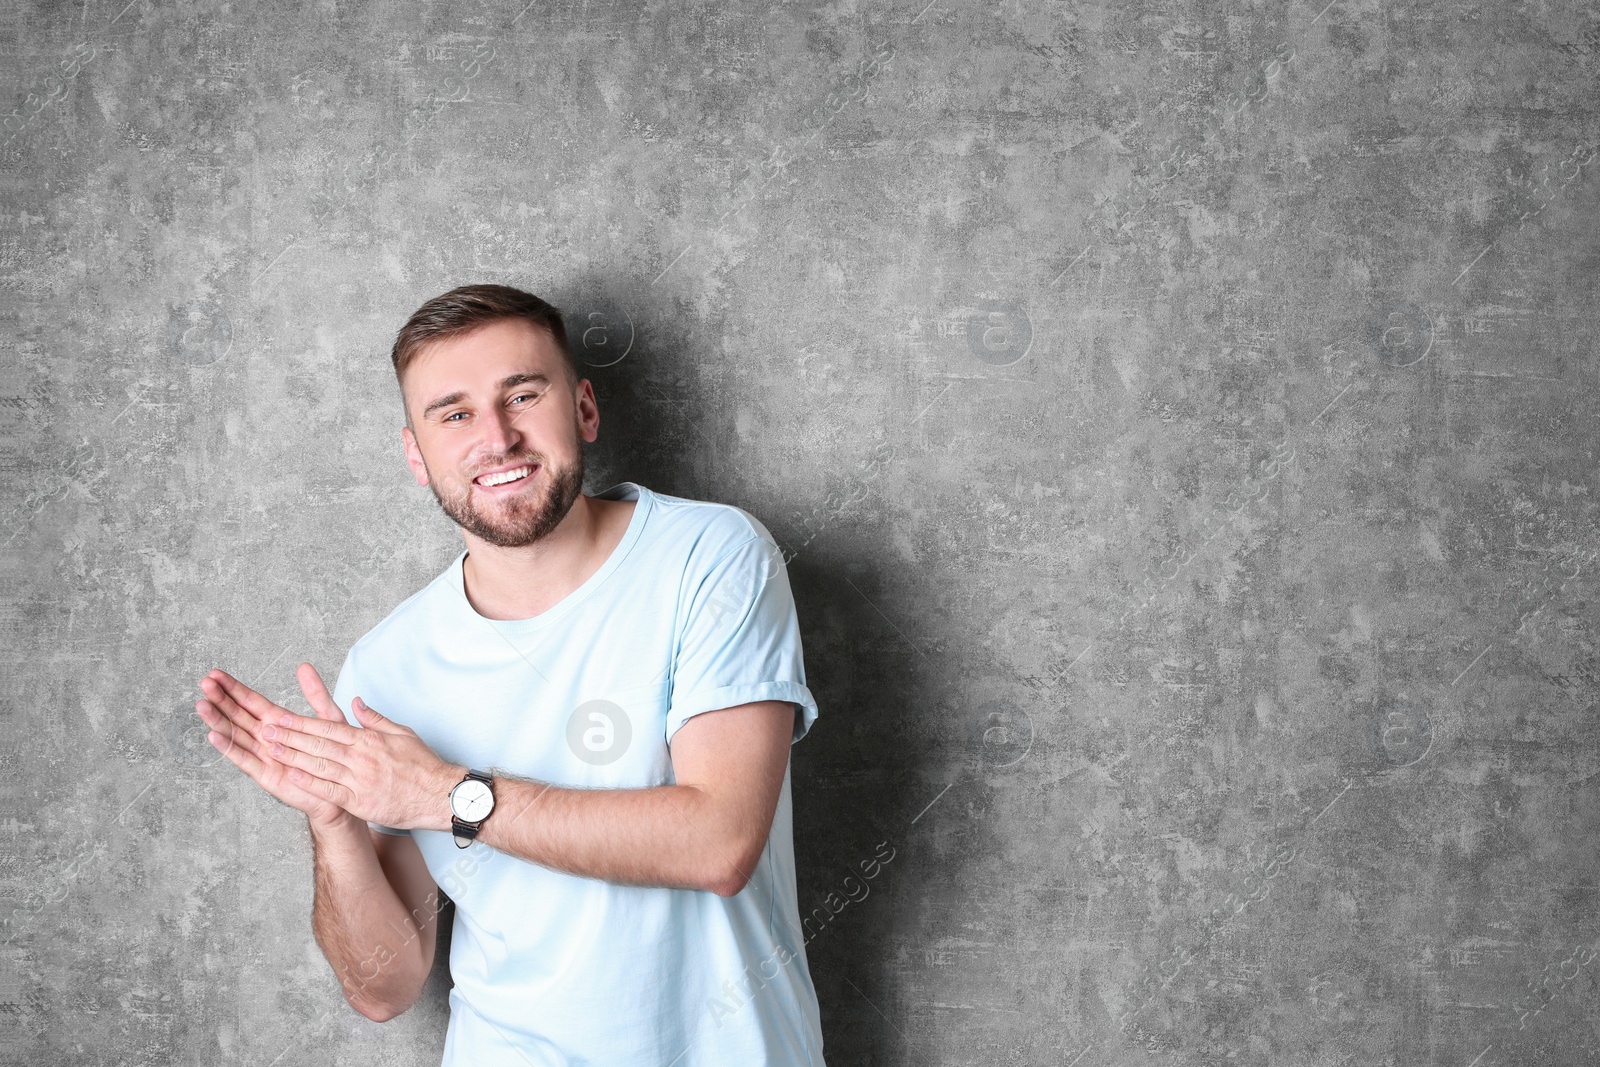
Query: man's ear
{"type": "Point", "coordinates": [588, 412]}
{"type": "Point", "coordinates": [419, 469]}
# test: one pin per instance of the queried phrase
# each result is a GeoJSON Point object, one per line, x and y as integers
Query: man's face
{"type": "Point", "coordinates": [494, 404]}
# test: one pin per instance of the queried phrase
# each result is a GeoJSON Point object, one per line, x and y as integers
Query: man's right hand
{"type": "Point", "coordinates": [237, 714]}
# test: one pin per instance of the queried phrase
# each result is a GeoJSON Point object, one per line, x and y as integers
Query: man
{"type": "Point", "coordinates": [580, 730]}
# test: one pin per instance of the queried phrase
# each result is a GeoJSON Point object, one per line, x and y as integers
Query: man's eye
{"type": "Point", "coordinates": [451, 417]}
{"type": "Point", "coordinates": [526, 396]}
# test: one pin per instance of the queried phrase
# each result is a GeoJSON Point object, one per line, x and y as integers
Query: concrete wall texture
{"type": "Point", "coordinates": [1179, 419]}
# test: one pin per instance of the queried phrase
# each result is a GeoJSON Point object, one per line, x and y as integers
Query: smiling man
{"type": "Point", "coordinates": [580, 730]}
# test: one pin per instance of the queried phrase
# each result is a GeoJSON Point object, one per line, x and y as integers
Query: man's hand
{"type": "Point", "coordinates": [237, 716]}
{"type": "Point", "coordinates": [383, 773]}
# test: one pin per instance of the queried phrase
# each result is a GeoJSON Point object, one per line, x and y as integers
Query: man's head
{"type": "Point", "coordinates": [463, 310]}
{"type": "Point", "coordinates": [490, 389]}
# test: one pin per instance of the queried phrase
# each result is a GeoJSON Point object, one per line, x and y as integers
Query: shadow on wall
{"type": "Point", "coordinates": [858, 780]}
{"type": "Point", "coordinates": [860, 776]}
{"type": "Point", "coordinates": [631, 342]}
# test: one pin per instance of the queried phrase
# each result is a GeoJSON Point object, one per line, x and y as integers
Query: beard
{"type": "Point", "coordinates": [516, 521]}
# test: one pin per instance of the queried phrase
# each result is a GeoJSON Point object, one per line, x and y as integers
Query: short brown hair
{"type": "Point", "coordinates": [468, 307]}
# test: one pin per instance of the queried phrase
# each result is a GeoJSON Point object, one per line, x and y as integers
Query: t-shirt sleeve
{"type": "Point", "coordinates": [740, 640]}
{"type": "Point", "coordinates": [349, 684]}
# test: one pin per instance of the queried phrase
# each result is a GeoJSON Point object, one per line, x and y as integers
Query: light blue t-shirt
{"type": "Point", "coordinates": [692, 612]}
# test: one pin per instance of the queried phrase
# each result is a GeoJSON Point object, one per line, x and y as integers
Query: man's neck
{"type": "Point", "coordinates": [520, 583]}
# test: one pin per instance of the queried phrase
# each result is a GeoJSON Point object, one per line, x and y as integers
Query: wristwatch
{"type": "Point", "coordinates": [471, 801]}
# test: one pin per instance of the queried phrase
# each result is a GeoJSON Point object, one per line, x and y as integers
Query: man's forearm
{"type": "Point", "coordinates": [361, 924]}
{"type": "Point", "coordinates": [669, 835]}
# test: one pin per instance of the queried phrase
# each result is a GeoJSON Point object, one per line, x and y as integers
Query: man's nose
{"type": "Point", "coordinates": [500, 434]}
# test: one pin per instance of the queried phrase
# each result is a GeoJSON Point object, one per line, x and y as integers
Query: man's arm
{"type": "Point", "coordinates": [374, 915]}
{"type": "Point", "coordinates": [375, 904]}
{"type": "Point", "coordinates": [705, 832]}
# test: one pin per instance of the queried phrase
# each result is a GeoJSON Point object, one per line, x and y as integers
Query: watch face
{"type": "Point", "coordinates": [471, 800]}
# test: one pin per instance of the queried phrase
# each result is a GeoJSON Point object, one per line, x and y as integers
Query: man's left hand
{"type": "Point", "coordinates": [383, 773]}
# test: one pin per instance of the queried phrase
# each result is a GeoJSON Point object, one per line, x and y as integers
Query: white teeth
{"type": "Point", "coordinates": [506, 476]}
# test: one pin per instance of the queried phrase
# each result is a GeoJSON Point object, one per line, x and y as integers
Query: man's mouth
{"type": "Point", "coordinates": [508, 477]}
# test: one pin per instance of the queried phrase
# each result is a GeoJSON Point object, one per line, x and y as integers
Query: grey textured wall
{"type": "Point", "coordinates": [1180, 419]}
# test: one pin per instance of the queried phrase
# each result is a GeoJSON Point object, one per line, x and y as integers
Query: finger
{"type": "Point", "coordinates": [230, 713]}
{"type": "Point", "coordinates": [263, 770]}
{"type": "Point", "coordinates": [226, 702]}
{"type": "Point", "coordinates": [268, 771]}
{"type": "Point", "coordinates": [234, 732]}
{"type": "Point", "coordinates": [340, 731]}
{"type": "Point", "coordinates": [217, 721]}
{"type": "Point", "coordinates": [285, 784]}
{"type": "Point", "coordinates": [242, 728]}
{"type": "Point", "coordinates": [212, 688]}
{"type": "Point", "coordinates": [317, 694]}
{"type": "Point", "coordinates": [313, 764]}
{"type": "Point", "coordinates": [236, 723]}
{"type": "Point", "coordinates": [320, 788]}
{"type": "Point", "coordinates": [236, 755]}
{"type": "Point", "coordinates": [372, 720]}
{"type": "Point", "coordinates": [278, 739]}
{"type": "Point", "coordinates": [245, 697]}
